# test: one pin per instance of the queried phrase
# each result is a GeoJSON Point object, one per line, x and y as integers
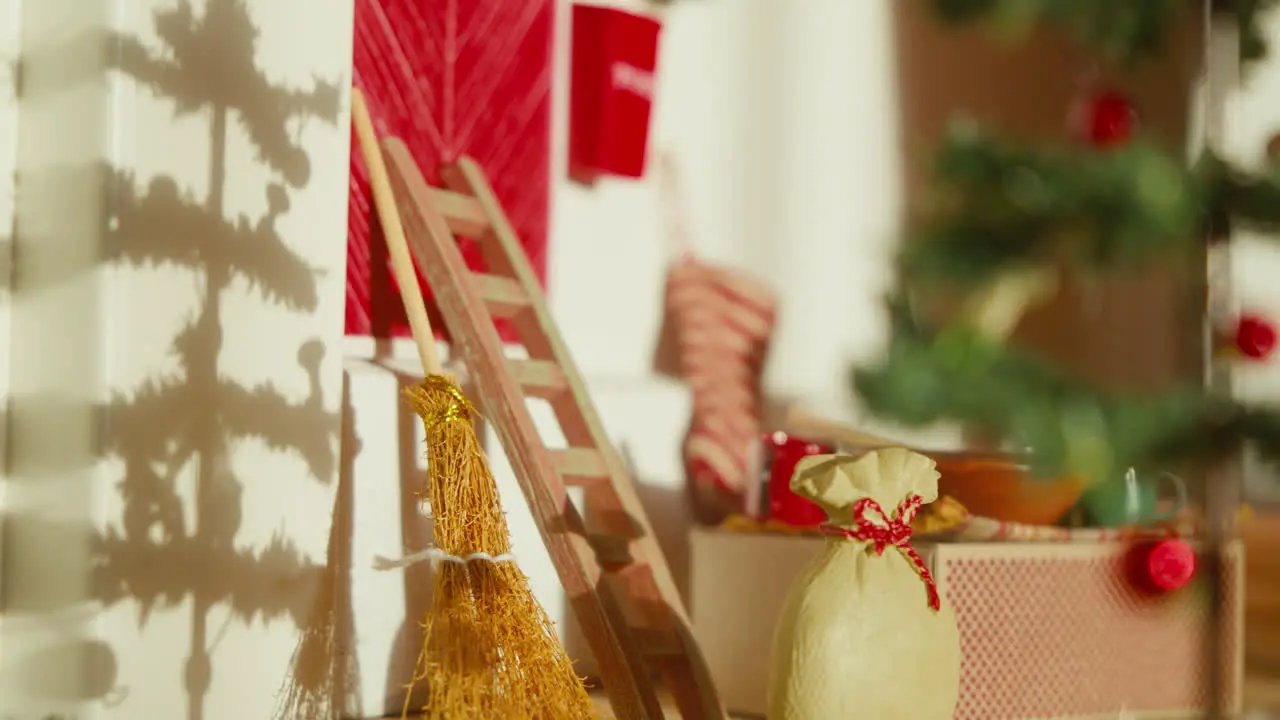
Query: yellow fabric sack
{"type": "Point", "coordinates": [859, 636]}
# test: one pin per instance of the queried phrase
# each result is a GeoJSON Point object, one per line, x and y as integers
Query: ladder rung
{"type": "Point", "coordinates": [609, 608]}
{"type": "Point", "coordinates": [656, 643]}
{"type": "Point", "coordinates": [464, 214]}
{"type": "Point", "coordinates": [634, 595]}
{"type": "Point", "coordinates": [503, 296]}
{"type": "Point", "coordinates": [612, 549]}
{"type": "Point", "coordinates": [645, 608]}
{"type": "Point", "coordinates": [580, 466]}
{"type": "Point", "coordinates": [539, 378]}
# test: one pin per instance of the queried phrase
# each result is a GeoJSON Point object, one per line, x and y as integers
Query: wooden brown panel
{"type": "Point", "coordinates": [1261, 534]}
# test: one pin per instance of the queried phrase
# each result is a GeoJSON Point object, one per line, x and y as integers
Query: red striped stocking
{"type": "Point", "coordinates": [722, 323]}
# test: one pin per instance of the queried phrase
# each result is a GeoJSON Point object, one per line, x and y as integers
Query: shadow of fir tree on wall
{"type": "Point", "coordinates": [160, 553]}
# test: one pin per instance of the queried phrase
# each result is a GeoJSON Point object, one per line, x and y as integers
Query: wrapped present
{"type": "Point", "coordinates": [1063, 630]}
{"type": "Point", "coordinates": [1052, 622]}
{"type": "Point", "coordinates": [864, 628]}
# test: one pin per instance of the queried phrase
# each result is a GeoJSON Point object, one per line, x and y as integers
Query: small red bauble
{"type": "Point", "coordinates": [1108, 119]}
{"type": "Point", "coordinates": [1160, 566]}
{"type": "Point", "coordinates": [1170, 565]}
{"type": "Point", "coordinates": [1255, 337]}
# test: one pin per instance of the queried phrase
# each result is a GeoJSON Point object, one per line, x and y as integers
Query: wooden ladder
{"type": "Point", "coordinates": [617, 579]}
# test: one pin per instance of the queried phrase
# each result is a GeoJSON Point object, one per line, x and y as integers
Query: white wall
{"type": "Point", "coordinates": [174, 432]}
{"type": "Point", "coordinates": [1252, 119]}
{"type": "Point", "coordinates": [608, 249]}
{"type": "Point", "coordinates": [782, 117]}
{"type": "Point", "coordinates": [49, 498]}
{"type": "Point", "coordinates": [10, 32]}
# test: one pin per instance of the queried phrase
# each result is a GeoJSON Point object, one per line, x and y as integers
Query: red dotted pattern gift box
{"type": "Point", "coordinates": [1062, 631]}
{"type": "Point", "coordinates": [1047, 629]}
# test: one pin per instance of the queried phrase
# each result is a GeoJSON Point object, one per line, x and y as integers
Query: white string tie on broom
{"type": "Point", "coordinates": [435, 556]}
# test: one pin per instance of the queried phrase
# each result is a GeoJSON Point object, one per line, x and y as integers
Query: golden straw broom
{"type": "Point", "coordinates": [489, 650]}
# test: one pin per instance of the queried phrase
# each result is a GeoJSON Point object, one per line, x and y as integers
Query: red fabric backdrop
{"type": "Point", "coordinates": [451, 77]}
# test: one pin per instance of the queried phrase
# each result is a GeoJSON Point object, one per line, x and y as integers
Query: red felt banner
{"type": "Point", "coordinates": [451, 78]}
{"type": "Point", "coordinates": [615, 55]}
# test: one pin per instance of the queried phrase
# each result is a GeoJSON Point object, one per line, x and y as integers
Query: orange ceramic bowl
{"type": "Point", "coordinates": [998, 487]}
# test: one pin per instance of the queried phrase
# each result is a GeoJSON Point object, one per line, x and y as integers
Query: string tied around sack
{"type": "Point", "coordinates": [873, 525]}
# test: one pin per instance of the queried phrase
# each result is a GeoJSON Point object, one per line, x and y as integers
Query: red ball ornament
{"type": "Point", "coordinates": [1255, 337]}
{"type": "Point", "coordinates": [1170, 565]}
{"type": "Point", "coordinates": [1108, 119]}
{"type": "Point", "coordinates": [1159, 566]}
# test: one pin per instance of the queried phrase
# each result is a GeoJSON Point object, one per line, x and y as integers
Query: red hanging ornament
{"type": "Point", "coordinates": [1107, 119]}
{"type": "Point", "coordinates": [1162, 566]}
{"type": "Point", "coordinates": [1255, 337]}
{"type": "Point", "coordinates": [1171, 564]}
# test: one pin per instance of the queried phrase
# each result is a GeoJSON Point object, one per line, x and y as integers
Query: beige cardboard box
{"type": "Point", "coordinates": [1047, 629]}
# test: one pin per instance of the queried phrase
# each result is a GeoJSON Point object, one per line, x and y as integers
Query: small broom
{"type": "Point", "coordinates": [325, 677]}
{"type": "Point", "coordinates": [489, 649]}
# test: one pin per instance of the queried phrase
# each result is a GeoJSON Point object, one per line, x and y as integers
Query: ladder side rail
{"type": "Point", "coordinates": [467, 177]}
{"type": "Point", "coordinates": [686, 673]}
{"type": "Point", "coordinates": [475, 337]}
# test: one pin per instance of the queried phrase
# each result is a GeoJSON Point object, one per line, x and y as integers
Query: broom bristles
{"type": "Point", "coordinates": [490, 650]}
{"type": "Point", "coordinates": [324, 681]}
{"type": "Point", "coordinates": [325, 678]}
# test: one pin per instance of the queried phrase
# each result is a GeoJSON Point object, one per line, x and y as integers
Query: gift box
{"type": "Point", "coordinates": [771, 498]}
{"type": "Point", "coordinates": [1047, 629]}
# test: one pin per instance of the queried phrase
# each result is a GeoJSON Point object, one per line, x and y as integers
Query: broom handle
{"type": "Point", "coordinates": [384, 201]}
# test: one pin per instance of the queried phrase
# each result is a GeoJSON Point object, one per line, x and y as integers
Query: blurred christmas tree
{"type": "Point", "coordinates": [1010, 217]}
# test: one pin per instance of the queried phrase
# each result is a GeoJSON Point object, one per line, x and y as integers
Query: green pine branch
{"type": "Point", "coordinates": [1246, 200]}
{"type": "Point", "coordinates": [1123, 31]}
{"type": "Point", "coordinates": [1069, 428]}
{"type": "Point", "coordinates": [1253, 41]}
{"type": "Point", "coordinates": [1002, 204]}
